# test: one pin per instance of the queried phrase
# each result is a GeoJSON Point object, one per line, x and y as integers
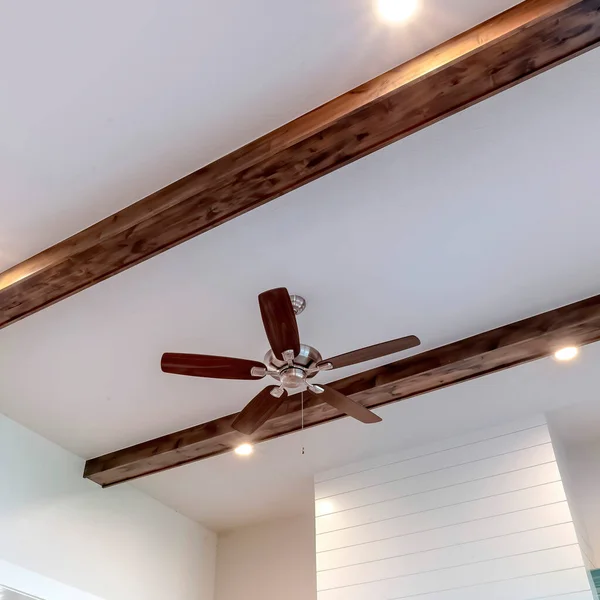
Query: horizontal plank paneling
{"type": "Point", "coordinates": [469, 513]}
{"type": "Point", "coordinates": [574, 596]}
{"type": "Point", "coordinates": [435, 461]}
{"type": "Point", "coordinates": [481, 488]}
{"type": "Point", "coordinates": [501, 569]}
{"type": "Point", "coordinates": [439, 446]}
{"type": "Point", "coordinates": [451, 556]}
{"type": "Point", "coordinates": [524, 520]}
{"type": "Point", "coordinates": [547, 586]}
{"type": "Point", "coordinates": [438, 480]}
{"type": "Point", "coordinates": [484, 512]}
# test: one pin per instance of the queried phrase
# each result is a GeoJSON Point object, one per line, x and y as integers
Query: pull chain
{"type": "Point", "coordinates": [302, 413]}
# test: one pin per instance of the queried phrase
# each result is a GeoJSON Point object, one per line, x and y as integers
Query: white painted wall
{"type": "Point", "coordinates": [480, 516]}
{"type": "Point", "coordinates": [583, 464]}
{"type": "Point", "coordinates": [571, 478]}
{"type": "Point", "coordinates": [270, 561]}
{"type": "Point", "coordinates": [117, 544]}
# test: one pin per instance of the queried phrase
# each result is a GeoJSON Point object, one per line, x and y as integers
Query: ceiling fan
{"type": "Point", "coordinates": [289, 362]}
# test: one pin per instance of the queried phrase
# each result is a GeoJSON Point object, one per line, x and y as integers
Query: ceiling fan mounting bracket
{"type": "Point", "coordinates": [277, 392]}
{"type": "Point", "coordinates": [316, 389]}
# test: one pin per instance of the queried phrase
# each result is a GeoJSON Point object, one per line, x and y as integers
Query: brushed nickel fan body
{"type": "Point", "coordinates": [289, 363]}
{"type": "Point", "coordinates": [293, 373]}
{"type": "Point", "coordinates": [304, 366]}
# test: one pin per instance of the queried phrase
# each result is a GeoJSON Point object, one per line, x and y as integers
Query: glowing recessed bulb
{"type": "Point", "coordinates": [396, 11]}
{"type": "Point", "coordinates": [244, 450]}
{"type": "Point", "coordinates": [568, 353]}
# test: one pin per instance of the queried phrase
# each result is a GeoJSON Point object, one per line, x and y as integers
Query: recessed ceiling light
{"type": "Point", "coordinates": [568, 353]}
{"type": "Point", "coordinates": [244, 450]}
{"type": "Point", "coordinates": [396, 11]}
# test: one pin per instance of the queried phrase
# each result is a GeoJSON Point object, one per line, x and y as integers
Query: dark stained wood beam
{"type": "Point", "coordinates": [504, 51]}
{"type": "Point", "coordinates": [537, 337]}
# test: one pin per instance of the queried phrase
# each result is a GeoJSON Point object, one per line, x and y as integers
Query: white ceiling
{"type": "Point", "coordinates": [105, 102]}
{"type": "Point", "coordinates": [277, 481]}
{"type": "Point", "coordinates": [482, 219]}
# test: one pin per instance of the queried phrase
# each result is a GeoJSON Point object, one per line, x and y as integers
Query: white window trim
{"type": "Point", "coordinates": [31, 584]}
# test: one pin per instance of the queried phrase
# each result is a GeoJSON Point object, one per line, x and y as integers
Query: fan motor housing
{"type": "Point", "coordinates": [294, 376]}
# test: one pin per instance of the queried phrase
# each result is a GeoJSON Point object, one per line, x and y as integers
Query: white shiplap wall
{"type": "Point", "coordinates": [481, 517]}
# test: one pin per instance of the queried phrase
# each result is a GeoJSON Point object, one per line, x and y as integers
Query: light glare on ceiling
{"type": "Point", "coordinates": [244, 450]}
{"type": "Point", "coordinates": [565, 354]}
{"type": "Point", "coordinates": [396, 11]}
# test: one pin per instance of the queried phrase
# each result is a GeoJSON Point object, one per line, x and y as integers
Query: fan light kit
{"type": "Point", "coordinates": [289, 363]}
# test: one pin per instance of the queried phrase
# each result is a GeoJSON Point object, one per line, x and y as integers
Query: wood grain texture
{"type": "Point", "coordinates": [508, 346]}
{"type": "Point", "coordinates": [203, 365]}
{"type": "Point", "coordinates": [492, 57]}
{"type": "Point", "coordinates": [279, 321]}
{"type": "Point", "coordinates": [348, 406]}
{"type": "Point", "coordinates": [258, 411]}
{"type": "Point", "coordinates": [372, 352]}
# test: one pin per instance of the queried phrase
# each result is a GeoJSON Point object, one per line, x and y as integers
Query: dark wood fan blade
{"type": "Point", "coordinates": [279, 321]}
{"type": "Point", "coordinates": [372, 352]}
{"type": "Point", "coordinates": [258, 411]}
{"type": "Point", "coordinates": [214, 367]}
{"type": "Point", "coordinates": [348, 406]}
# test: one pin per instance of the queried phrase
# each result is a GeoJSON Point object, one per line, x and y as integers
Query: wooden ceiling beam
{"type": "Point", "coordinates": [537, 337]}
{"type": "Point", "coordinates": [524, 41]}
